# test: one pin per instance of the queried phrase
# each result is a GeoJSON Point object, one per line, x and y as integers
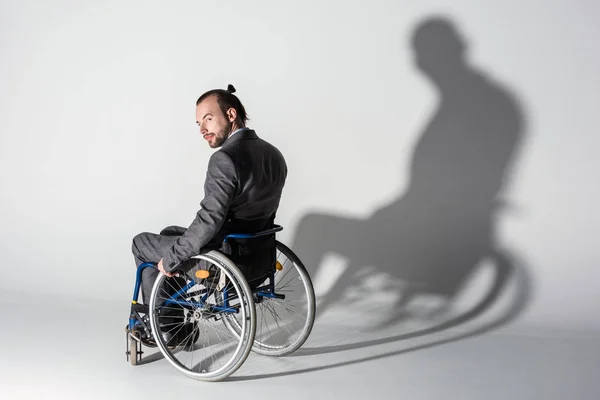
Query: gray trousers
{"type": "Point", "coordinates": [150, 247]}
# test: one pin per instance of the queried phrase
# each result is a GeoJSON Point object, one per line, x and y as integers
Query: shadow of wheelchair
{"type": "Point", "coordinates": [508, 268]}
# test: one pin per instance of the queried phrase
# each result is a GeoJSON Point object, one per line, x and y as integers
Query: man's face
{"type": "Point", "coordinates": [215, 127]}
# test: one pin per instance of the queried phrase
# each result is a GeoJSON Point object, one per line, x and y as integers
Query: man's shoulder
{"type": "Point", "coordinates": [219, 157]}
{"type": "Point", "coordinates": [248, 141]}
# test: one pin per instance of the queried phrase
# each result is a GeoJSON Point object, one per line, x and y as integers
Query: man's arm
{"type": "Point", "coordinates": [219, 189]}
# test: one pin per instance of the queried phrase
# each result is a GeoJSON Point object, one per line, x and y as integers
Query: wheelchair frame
{"type": "Point", "coordinates": [135, 319]}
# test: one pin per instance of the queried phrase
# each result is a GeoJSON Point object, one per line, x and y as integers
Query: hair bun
{"type": "Point", "coordinates": [230, 88]}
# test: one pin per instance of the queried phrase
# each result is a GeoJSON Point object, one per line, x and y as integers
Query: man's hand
{"type": "Point", "coordinates": [161, 268]}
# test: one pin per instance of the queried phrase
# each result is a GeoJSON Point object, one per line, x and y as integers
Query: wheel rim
{"type": "Point", "coordinates": [206, 352]}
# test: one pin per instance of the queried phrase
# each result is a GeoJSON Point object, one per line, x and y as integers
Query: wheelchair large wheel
{"type": "Point", "coordinates": [185, 313]}
{"type": "Point", "coordinates": [282, 325]}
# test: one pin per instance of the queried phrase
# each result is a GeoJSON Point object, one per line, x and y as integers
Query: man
{"type": "Point", "coordinates": [243, 187]}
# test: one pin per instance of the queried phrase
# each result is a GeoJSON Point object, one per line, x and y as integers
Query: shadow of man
{"type": "Point", "coordinates": [432, 239]}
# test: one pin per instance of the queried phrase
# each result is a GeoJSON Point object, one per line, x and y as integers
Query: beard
{"type": "Point", "coordinates": [222, 135]}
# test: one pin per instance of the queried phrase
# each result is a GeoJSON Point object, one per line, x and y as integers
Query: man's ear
{"type": "Point", "coordinates": [231, 114]}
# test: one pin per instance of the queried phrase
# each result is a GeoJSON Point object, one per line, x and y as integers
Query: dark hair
{"type": "Point", "coordinates": [227, 100]}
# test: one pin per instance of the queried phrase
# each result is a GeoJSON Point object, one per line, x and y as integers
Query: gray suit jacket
{"type": "Point", "coordinates": [243, 187]}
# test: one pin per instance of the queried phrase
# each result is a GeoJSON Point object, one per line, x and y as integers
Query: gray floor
{"type": "Point", "coordinates": [54, 348]}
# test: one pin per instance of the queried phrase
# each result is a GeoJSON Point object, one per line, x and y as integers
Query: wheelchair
{"type": "Point", "coordinates": [210, 318]}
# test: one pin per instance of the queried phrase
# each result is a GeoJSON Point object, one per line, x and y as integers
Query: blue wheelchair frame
{"type": "Point", "coordinates": [262, 291]}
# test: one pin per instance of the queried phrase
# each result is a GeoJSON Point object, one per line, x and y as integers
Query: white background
{"type": "Point", "coordinates": [99, 142]}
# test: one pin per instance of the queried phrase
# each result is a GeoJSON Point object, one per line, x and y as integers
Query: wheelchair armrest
{"type": "Point", "coordinates": [276, 228]}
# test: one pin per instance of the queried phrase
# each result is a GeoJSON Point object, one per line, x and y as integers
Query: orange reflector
{"type": "Point", "coordinates": [278, 266]}
{"type": "Point", "coordinates": [202, 274]}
